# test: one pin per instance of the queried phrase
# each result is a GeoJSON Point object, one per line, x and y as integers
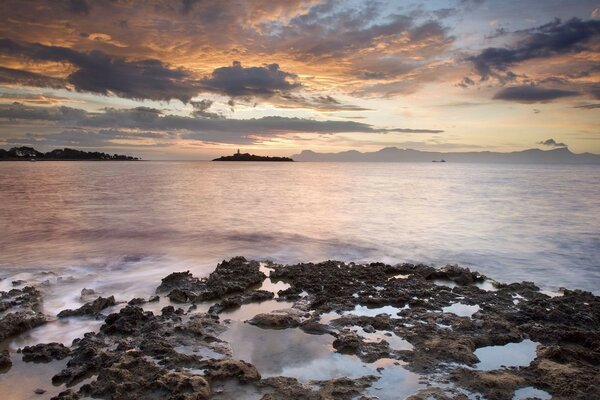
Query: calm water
{"type": "Point", "coordinates": [125, 225]}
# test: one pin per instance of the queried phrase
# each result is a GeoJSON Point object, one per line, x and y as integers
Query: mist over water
{"type": "Point", "coordinates": [123, 225]}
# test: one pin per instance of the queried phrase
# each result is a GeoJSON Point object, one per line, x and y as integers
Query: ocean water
{"type": "Point", "coordinates": [120, 226]}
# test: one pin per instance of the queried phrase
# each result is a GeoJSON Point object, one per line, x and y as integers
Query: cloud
{"type": "Point", "coordinates": [214, 130]}
{"type": "Point", "coordinates": [201, 109]}
{"type": "Point", "coordinates": [99, 72]}
{"type": "Point", "coordinates": [236, 80]}
{"type": "Point", "coordinates": [9, 76]}
{"type": "Point", "coordinates": [552, 39]}
{"type": "Point", "coordinates": [591, 106]}
{"type": "Point", "coordinates": [551, 143]}
{"type": "Point", "coordinates": [532, 94]}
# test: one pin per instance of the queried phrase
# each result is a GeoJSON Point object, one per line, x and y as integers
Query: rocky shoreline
{"type": "Point", "coordinates": [435, 328]}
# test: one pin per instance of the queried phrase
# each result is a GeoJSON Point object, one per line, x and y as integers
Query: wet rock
{"type": "Point", "coordinates": [153, 299]}
{"type": "Point", "coordinates": [275, 321]}
{"type": "Point", "coordinates": [5, 362]}
{"type": "Point", "coordinates": [233, 276]}
{"type": "Point", "coordinates": [18, 322]}
{"type": "Point", "coordinates": [237, 300]}
{"type": "Point", "coordinates": [186, 386]}
{"type": "Point", "coordinates": [39, 391]}
{"type": "Point", "coordinates": [89, 309]}
{"type": "Point", "coordinates": [87, 292]}
{"type": "Point", "coordinates": [181, 295]}
{"type": "Point", "coordinates": [18, 282]}
{"type": "Point", "coordinates": [228, 368]}
{"type": "Point", "coordinates": [126, 321]}
{"type": "Point", "coordinates": [45, 352]}
{"type": "Point", "coordinates": [136, 301]}
{"type": "Point", "coordinates": [66, 395]}
{"type": "Point", "coordinates": [462, 276]}
{"type": "Point", "coordinates": [180, 280]}
{"type": "Point", "coordinates": [315, 328]}
{"type": "Point", "coordinates": [494, 385]}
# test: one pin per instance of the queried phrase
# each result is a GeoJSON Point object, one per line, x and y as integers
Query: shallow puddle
{"type": "Point", "coordinates": [293, 353]}
{"type": "Point", "coordinates": [396, 342]}
{"type": "Point", "coordinates": [510, 355]}
{"type": "Point", "coordinates": [23, 378]}
{"type": "Point", "coordinates": [462, 310]}
{"type": "Point", "coordinates": [444, 282]}
{"type": "Point", "coordinates": [531, 393]}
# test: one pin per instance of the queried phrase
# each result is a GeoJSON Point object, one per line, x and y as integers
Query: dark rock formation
{"type": "Point", "coordinates": [89, 309]}
{"type": "Point", "coordinates": [45, 352]}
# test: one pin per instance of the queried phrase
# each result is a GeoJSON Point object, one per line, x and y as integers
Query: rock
{"type": "Point", "coordinates": [181, 296]}
{"type": "Point", "coordinates": [87, 292]}
{"type": "Point", "coordinates": [39, 391]}
{"type": "Point", "coordinates": [66, 395]}
{"type": "Point", "coordinates": [45, 352]}
{"type": "Point", "coordinates": [238, 300]}
{"type": "Point", "coordinates": [228, 368]}
{"type": "Point", "coordinates": [18, 322]}
{"type": "Point", "coordinates": [126, 321]}
{"type": "Point", "coordinates": [153, 299]}
{"type": "Point", "coordinates": [5, 362]}
{"type": "Point", "coordinates": [186, 386]}
{"type": "Point", "coordinates": [180, 280]}
{"type": "Point", "coordinates": [89, 309]}
{"type": "Point", "coordinates": [136, 301]}
{"type": "Point", "coordinates": [275, 321]}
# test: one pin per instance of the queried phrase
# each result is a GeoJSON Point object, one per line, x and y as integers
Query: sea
{"type": "Point", "coordinates": [134, 222]}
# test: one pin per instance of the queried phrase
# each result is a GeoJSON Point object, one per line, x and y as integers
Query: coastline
{"type": "Point", "coordinates": [377, 323]}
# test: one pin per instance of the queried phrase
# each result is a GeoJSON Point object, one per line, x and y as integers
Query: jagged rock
{"type": "Point", "coordinates": [45, 352]}
{"type": "Point", "coordinates": [89, 309]}
{"type": "Point", "coordinates": [275, 321]}
{"type": "Point", "coordinates": [241, 370]}
{"type": "Point", "coordinates": [18, 322]}
{"type": "Point", "coordinates": [238, 300]}
{"type": "Point", "coordinates": [5, 362]}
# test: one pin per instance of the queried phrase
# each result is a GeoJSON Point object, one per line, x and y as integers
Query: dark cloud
{"type": "Point", "coordinates": [532, 94]}
{"type": "Point", "coordinates": [555, 38]}
{"type": "Point", "coordinates": [201, 109]}
{"type": "Point", "coordinates": [236, 80]}
{"type": "Point", "coordinates": [204, 129]}
{"type": "Point", "coordinates": [98, 72]}
{"type": "Point", "coordinates": [25, 78]}
{"type": "Point", "coordinates": [321, 103]}
{"type": "Point", "coordinates": [592, 106]}
{"type": "Point", "coordinates": [80, 7]}
{"type": "Point", "coordinates": [551, 143]}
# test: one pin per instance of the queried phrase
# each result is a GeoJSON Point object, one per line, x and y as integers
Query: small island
{"type": "Point", "coordinates": [251, 157]}
{"type": "Point", "coordinates": [25, 153]}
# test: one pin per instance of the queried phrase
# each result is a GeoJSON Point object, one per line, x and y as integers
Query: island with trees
{"type": "Point", "coordinates": [251, 157]}
{"type": "Point", "coordinates": [25, 153]}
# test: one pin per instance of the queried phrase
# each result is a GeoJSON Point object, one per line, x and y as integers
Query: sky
{"type": "Point", "coordinates": [195, 79]}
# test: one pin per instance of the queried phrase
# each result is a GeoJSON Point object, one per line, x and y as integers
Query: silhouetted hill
{"type": "Point", "coordinates": [25, 153]}
{"type": "Point", "coordinates": [251, 157]}
{"type": "Point", "coordinates": [394, 154]}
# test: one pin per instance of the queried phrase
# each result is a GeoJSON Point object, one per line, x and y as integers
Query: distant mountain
{"type": "Point", "coordinates": [394, 154]}
{"type": "Point", "coordinates": [25, 153]}
{"type": "Point", "coordinates": [250, 157]}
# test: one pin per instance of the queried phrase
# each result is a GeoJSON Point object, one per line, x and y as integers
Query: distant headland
{"type": "Point", "coordinates": [251, 157]}
{"type": "Point", "coordinates": [25, 153]}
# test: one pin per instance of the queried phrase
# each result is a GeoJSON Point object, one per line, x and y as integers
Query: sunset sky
{"type": "Point", "coordinates": [193, 79]}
